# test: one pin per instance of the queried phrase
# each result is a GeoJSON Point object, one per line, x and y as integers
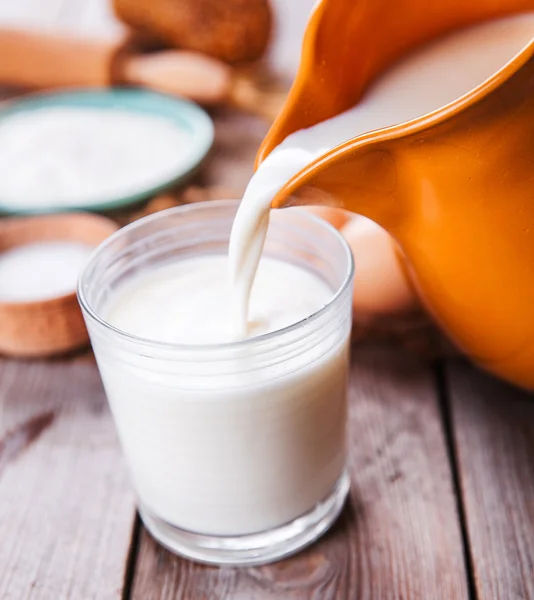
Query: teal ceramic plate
{"type": "Point", "coordinates": [185, 115]}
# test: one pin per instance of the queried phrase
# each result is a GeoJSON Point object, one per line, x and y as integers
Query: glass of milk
{"type": "Point", "coordinates": [236, 449]}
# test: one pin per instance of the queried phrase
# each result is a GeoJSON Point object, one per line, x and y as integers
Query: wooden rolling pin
{"type": "Point", "coordinates": [37, 60]}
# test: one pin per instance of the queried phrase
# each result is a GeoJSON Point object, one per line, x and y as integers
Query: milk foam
{"type": "Point", "coordinates": [189, 301]}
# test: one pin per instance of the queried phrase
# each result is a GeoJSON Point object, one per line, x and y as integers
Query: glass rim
{"type": "Point", "coordinates": [224, 346]}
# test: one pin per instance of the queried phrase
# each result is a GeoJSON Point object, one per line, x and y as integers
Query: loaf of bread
{"type": "Point", "coordinates": [231, 30]}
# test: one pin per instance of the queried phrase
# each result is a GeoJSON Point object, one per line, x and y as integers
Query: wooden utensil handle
{"type": "Point", "coordinates": [191, 74]}
{"type": "Point", "coordinates": [42, 60]}
{"type": "Point", "coordinates": [38, 60]}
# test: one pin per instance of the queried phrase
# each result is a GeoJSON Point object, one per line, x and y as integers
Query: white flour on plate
{"type": "Point", "coordinates": [76, 156]}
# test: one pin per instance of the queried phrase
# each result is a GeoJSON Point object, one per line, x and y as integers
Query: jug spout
{"type": "Point", "coordinates": [453, 187]}
{"type": "Point", "coordinates": [362, 177]}
{"type": "Point", "coordinates": [348, 43]}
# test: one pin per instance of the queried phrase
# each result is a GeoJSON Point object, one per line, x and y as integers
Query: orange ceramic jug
{"type": "Point", "coordinates": [455, 189]}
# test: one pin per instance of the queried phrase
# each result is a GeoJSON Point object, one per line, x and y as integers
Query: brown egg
{"type": "Point", "coordinates": [335, 216]}
{"type": "Point", "coordinates": [380, 285]}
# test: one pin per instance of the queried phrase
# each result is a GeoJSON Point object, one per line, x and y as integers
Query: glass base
{"type": "Point", "coordinates": [254, 549]}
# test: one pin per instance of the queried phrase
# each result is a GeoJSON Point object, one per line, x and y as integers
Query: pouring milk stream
{"type": "Point", "coordinates": [422, 82]}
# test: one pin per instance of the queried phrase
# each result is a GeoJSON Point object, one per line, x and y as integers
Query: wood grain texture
{"type": "Point", "coordinates": [494, 437]}
{"type": "Point", "coordinates": [66, 509]}
{"type": "Point", "coordinates": [397, 538]}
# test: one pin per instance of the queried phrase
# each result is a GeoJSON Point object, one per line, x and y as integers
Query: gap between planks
{"type": "Point", "coordinates": [493, 436]}
{"type": "Point", "coordinates": [448, 428]}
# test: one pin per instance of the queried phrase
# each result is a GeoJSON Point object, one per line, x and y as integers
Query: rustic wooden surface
{"type": "Point", "coordinates": [66, 508]}
{"type": "Point", "coordinates": [442, 499]}
{"type": "Point", "coordinates": [493, 428]}
{"type": "Point", "coordinates": [67, 524]}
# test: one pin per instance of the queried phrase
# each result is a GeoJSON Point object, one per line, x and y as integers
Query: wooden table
{"type": "Point", "coordinates": [441, 462]}
{"type": "Point", "coordinates": [441, 505]}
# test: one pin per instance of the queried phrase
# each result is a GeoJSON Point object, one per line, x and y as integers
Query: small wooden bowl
{"type": "Point", "coordinates": [53, 326]}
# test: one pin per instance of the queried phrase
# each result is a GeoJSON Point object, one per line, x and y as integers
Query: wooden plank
{"type": "Point", "coordinates": [66, 507]}
{"type": "Point", "coordinates": [494, 437]}
{"type": "Point", "coordinates": [399, 536]}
